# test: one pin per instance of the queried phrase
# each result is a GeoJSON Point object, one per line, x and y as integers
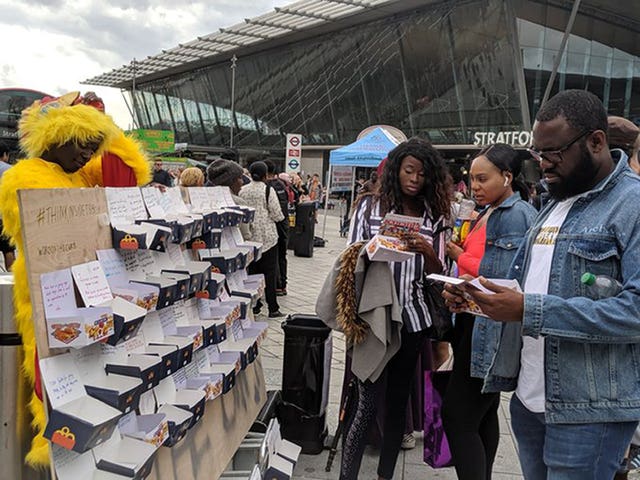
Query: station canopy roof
{"type": "Point", "coordinates": [306, 16]}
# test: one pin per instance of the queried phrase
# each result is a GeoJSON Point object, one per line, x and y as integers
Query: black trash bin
{"type": "Point", "coordinates": [304, 231]}
{"type": "Point", "coordinates": [305, 381]}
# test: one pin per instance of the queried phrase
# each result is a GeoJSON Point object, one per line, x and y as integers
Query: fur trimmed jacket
{"type": "Point", "coordinates": [359, 298]}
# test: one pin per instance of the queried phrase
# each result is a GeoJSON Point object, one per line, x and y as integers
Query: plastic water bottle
{"type": "Point", "coordinates": [600, 286]}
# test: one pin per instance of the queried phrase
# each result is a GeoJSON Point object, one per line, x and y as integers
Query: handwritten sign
{"type": "Point", "coordinates": [180, 379]}
{"type": "Point", "coordinates": [167, 320]}
{"type": "Point", "coordinates": [61, 380]}
{"type": "Point", "coordinates": [113, 266]}
{"type": "Point", "coordinates": [152, 200]}
{"type": "Point", "coordinates": [92, 283]}
{"type": "Point", "coordinates": [176, 204]}
{"type": "Point", "coordinates": [175, 253]}
{"type": "Point", "coordinates": [199, 199]}
{"type": "Point", "coordinates": [57, 292]}
{"type": "Point", "coordinates": [217, 196]}
{"type": "Point", "coordinates": [201, 359]}
{"type": "Point", "coordinates": [192, 370]}
{"type": "Point", "coordinates": [125, 205]}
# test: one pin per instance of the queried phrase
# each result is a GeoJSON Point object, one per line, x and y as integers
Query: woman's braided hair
{"type": "Point", "coordinates": [438, 186]}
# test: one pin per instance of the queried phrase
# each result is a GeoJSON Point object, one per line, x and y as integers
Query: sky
{"type": "Point", "coordinates": [53, 45]}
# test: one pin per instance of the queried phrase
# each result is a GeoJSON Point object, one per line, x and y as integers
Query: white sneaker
{"type": "Point", "coordinates": [408, 442]}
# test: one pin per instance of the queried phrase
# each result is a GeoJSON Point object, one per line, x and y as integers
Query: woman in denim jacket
{"type": "Point", "coordinates": [470, 417]}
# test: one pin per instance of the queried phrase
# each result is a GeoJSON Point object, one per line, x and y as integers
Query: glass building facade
{"type": "Point", "coordinates": [445, 70]}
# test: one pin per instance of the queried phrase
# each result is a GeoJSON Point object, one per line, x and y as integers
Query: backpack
{"type": "Point", "coordinates": [281, 191]}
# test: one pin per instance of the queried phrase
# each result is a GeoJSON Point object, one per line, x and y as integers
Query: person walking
{"type": "Point", "coordinates": [415, 183]}
{"type": "Point", "coordinates": [570, 355]}
{"type": "Point", "coordinates": [470, 417]}
{"type": "Point", "coordinates": [280, 189]}
{"type": "Point", "coordinates": [260, 196]}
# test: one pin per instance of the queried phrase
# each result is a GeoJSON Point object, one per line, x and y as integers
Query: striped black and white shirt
{"type": "Point", "coordinates": [408, 275]}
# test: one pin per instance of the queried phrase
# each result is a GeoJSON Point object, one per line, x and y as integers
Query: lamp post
{"type": "Point", "coordinates": [133, 94]}
{"type": "Point", "coordinates": [234, 59]}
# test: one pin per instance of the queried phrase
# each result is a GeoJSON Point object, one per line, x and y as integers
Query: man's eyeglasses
{"type": "Point", "coordinates": [555, 156]}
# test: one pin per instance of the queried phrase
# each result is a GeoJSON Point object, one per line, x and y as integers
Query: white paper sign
{"type": "Point", "coordinates": [147, 262]}
{"type": "Point", "coordinates": [92, 283]}
{"type": "Point", "coordinates": [125, 205]}
{"type": "Point", "coordinates": [176, 204]}
{"type": "Point", "coordinates": [175, 254]}
{"type": "Point", "coordinates": [70, 465]}
{"type": "Point", "coordinates": [217, 196]}
{"type": "Point", "coordinates": [180, 379]}
{"type": "Point", "coordinates": [57, 292]}
{"type": "Point", "coordinates": [167, 320]}
{"type": "Point", "coordinates": [226, 240]}
{"type": "Point", "coordinates": [236, 235]}
{"type": "Point", "coordinates": [61, 379]}
{"type": "Point", "coordinates": [113, 266]}
{"type": "Point", "coordinates": [228, 199]}
{"type": "Point", "coordinates": [151, 327]}
{"type": "Point", "coordinates": [199, 198]}
{"type": "Point", "coordinates": [152, 200]}
{"type": "Point", "coordinates": [147, 404]}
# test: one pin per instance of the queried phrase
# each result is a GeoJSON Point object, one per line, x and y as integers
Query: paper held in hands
{"type": "Point", "coordinates": [388, 245]}
{"type": "Point", "coordinates": [472, 307]}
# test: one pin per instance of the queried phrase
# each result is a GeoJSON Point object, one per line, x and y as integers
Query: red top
{"type": "Point", "coordinates": [115, 173]}
{"type": "Point", "coordinates": [473, 246]}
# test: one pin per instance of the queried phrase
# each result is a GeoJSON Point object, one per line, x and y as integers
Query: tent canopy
{"type": "Point", "coordinates": [369, 151]}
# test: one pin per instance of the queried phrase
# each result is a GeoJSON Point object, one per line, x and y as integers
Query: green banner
{"type": "Point", "coordinates": [154, 141]}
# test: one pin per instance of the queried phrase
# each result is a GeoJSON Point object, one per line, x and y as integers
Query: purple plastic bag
{"type": "Point", "coordinates": [436, 447]}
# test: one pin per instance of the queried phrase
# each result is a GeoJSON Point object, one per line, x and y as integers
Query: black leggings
{"type": "Point", "coordinates": [400, 373]}
{"type": "Point", "coordinates": [470, 418]}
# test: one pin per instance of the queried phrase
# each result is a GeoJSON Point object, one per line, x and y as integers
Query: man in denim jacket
{"type": "Point", "coordinates": [574, 362]}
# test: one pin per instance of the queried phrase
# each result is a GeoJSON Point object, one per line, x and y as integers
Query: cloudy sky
{"type": "Point", "coordinates": [53, 45]}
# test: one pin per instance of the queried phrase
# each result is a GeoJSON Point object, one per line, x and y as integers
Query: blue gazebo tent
{"type": "Point", "coordinates": [367, 151]}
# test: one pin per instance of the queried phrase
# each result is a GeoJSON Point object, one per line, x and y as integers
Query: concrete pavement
{"type": "Point", "coordinates": [306, 276]}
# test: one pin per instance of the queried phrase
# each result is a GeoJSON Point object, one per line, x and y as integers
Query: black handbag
{"type": "Point", "coordinates": [441, 318]}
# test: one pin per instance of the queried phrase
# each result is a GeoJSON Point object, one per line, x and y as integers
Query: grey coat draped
{"type": "Point", "coordinates": [377, 306]}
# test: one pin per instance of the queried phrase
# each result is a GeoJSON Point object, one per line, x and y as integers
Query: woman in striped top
{"type": "Point", "coordinates": [415, 182]}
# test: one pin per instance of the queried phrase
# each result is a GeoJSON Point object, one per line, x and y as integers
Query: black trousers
{"type": "Point", "coordinates": [283, 239]}
{"type": "Point", "coordinates": [470, 417]}
{"type": "Point", "coordinates": [268, 266]}
{"type": "Point", "coordinates": [399, 375]}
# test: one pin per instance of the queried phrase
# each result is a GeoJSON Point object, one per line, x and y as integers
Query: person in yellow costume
{"type": "Point", "coordinates": [64, 143]}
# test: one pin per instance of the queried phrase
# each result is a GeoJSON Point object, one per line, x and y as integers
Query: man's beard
{"type": "Point", "coordinates": [579, 180]}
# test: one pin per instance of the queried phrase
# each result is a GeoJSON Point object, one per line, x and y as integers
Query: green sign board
{"type": "Point", "coordinates": [154, 141]}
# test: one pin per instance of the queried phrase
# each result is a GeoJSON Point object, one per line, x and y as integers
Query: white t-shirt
{"type": "Point", "coordinates": [530, 390]}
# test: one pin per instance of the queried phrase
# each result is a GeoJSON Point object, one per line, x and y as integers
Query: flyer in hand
{"type": "Point", "coordinates": [389, 245]}
{"type": "Point", "coordinates": [473, 307]}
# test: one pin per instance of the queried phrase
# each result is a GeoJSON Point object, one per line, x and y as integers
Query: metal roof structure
{"type": "Point", "coordinates": [297, 17]}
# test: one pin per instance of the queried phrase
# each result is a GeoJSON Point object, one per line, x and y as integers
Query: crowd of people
{"type": "Point", "coordinates": [567, 350]}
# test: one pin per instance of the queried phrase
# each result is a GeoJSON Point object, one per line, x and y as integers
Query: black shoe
{"type": "Point", "coordinates": [256, 310]}
{"type": "Point", "coordinates": [276, 314]}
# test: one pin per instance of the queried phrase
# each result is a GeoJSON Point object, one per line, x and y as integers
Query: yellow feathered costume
{"type": "Point", "coordinates": [41, 127]}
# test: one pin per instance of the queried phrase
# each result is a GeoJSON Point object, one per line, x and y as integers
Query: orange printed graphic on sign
{"type": "Point", "coordinates": [129, 243]}
{"type": "Point", "coordinates": [64, 438]}
{"type": "Point", "coordinates": [198, 244]}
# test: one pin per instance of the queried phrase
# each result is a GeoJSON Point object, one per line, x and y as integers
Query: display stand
{"type": "Point", "coordinates": [65, 227]}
